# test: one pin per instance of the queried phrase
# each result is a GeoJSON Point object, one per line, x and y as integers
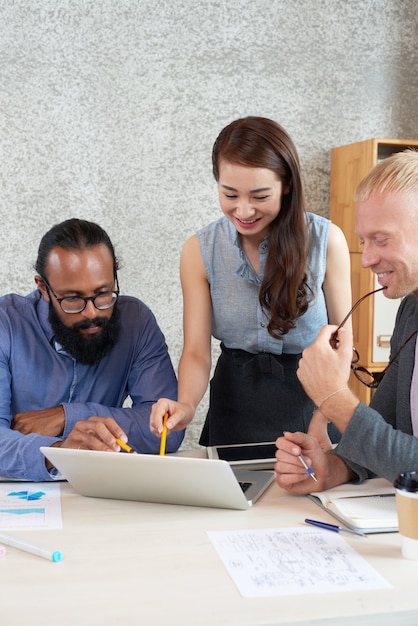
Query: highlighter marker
{"type": "Point", "coordinates": [32, 548]}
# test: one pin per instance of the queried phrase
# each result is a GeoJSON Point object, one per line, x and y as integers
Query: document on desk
{"type": "Point", "coordinates": [30, 506]}
{"type": "Point", "coordinates": [292, 561]}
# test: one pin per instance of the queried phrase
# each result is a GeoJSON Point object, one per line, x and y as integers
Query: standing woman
{"type": "Point", "coordinates": [263, 279]}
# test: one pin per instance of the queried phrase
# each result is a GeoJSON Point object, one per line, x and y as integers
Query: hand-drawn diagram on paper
{"type": "Point", "coordinates": [290, 561]}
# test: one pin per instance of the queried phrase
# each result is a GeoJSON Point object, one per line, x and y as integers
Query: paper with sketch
{"type": "Point", "coordinates": [30, 506]}
{"type": "Point", "coordinates": [291, 561]}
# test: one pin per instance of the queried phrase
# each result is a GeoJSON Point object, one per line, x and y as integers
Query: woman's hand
{"type": "Point", "coordinates": [180, 415]}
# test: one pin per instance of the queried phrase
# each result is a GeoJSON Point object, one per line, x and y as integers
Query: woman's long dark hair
{"type": "Point", "coordinates": [260, 142]}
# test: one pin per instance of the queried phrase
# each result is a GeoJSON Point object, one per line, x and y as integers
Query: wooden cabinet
{"type": "Point", "coordinates": [374, 319]}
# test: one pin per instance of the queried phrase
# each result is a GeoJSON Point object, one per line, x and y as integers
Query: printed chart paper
{"type": "Point", "coordinates": [292, 561]}
{"type": "Point", "coordinates": [30, 506]}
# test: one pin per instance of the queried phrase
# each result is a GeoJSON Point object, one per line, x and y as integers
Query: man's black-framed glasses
{"type": "Point", "coordinates": [76, 304]}
{"type": "Point", "coordinates": [370, 379]}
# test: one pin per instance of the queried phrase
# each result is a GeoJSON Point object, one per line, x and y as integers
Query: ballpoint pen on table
{"type": "Point", "coordinates": [125, 446]}
{"type": "Point", "coordinates": [163, 435]}
{"type": "Point", "coordinates": [308, 469]}
{"type": "Point", "coordinates": [32, 548]}
{"type": "Point", "coordinates": [334, 528]}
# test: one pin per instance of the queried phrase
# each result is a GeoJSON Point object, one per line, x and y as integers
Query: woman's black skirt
{"type": "Point", "coordinates": [254, 398]}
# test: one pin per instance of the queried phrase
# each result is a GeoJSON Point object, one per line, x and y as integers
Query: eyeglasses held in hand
{"type": "Point", "coordinates": [370, 379]}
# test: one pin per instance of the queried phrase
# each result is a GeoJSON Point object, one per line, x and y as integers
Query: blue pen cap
{"type": "Point", "coordinates": [407, 481]}
{"type": "Point", "coordinates": [57, 556]}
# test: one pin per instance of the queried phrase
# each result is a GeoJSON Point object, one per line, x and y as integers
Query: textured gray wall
{"type": "Point", "coordinates": [109, 109]}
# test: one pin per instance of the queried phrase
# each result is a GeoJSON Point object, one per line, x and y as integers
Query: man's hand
{"type": "Point", "coordinates": [329, 469]}
{"type": "Point", "coordinates": [47, 422]}
{"type": "Point", "coordinates": [96, 433]}
{"type": "Point", "coordinates": [322, 370]}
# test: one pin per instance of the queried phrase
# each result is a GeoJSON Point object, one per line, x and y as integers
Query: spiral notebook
{"type": "Point", "coordinates": [368, 508]}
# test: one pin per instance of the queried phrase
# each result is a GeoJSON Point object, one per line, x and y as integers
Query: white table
{"type": "Point", "coordinates": [151, 564]}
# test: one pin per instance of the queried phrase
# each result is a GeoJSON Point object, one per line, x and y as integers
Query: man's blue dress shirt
{"type": "Point", "coordinates": [35, 374]}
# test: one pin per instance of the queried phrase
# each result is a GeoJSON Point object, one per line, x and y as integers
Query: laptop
{"type": "Point", "coordinates": [168, 479]}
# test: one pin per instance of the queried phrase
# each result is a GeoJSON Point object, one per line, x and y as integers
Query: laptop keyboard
{"type": "Point", "coordinates": [245, 486]}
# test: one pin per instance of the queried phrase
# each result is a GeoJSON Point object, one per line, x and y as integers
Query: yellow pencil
{"type": "Point", "coordinates": [124, 446]}
{"type": "Point", "coordinates": [164, 435]}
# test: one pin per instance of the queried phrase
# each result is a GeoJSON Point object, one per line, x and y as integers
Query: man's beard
{"type": "Point", "coordinates": [87, 349]}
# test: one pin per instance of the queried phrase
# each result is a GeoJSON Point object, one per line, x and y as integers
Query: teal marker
{"type": "Point", "coordinates": [32, 548]}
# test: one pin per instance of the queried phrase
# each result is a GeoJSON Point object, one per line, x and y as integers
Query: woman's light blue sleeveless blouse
{"type": "Point", "coordinates": [237, 317]}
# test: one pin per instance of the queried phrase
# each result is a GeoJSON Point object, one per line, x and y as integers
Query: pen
{"type": "Point", "coordinates": [32, 548]}
{"type": "Point", "coordinates": [308, 469]}
{"type": "Point", "coordinates": [125, 446]}
{"type": "Point", "coordinates": [335, 529]}
{"type": "Point", "coordinates": [164, 435]}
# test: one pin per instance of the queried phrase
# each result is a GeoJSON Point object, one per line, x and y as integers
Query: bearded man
{"type": "Point", "coordinates": [72, 352]}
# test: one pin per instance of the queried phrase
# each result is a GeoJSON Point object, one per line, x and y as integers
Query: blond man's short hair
{"type": "Point", "coordinates": [397, 173]}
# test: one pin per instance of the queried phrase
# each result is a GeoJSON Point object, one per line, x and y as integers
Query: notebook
{"type": "Point", "coordinates": [368, 508]}
{"type": "Point", "coordinates": [168, 479]}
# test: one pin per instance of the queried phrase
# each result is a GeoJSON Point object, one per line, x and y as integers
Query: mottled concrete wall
{"type": "Point", "coordinates": [109, 108]}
